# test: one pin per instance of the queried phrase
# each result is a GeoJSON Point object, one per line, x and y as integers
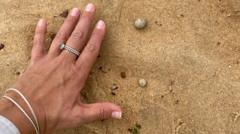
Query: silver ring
{"type": "Point", "coordinates": [69, 49]}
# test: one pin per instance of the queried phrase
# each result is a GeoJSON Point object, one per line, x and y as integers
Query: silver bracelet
{"type": "Point", "coordinates": [28, 104]}
{"type": "Point", "coordinates": [23, 111]}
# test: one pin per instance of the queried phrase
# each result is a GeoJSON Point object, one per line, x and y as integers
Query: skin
{"type": "Point", "coordinates": [54, 79]}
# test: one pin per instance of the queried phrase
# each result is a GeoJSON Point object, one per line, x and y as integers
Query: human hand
{"type": "Point", "coordinates": [53, 80]}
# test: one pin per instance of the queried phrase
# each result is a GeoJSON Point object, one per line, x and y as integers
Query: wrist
{"type": "Point", "coordinates": [39, 108]}
{"type": "Point", "coordinates": [12, 113]}
{"type": "Point", "coordinates": [34, 104]}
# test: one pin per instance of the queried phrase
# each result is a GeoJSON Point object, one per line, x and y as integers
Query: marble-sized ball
{"type": "Point", "coordinates": [142, 83]}
{"type": "Point", "coordinates": [140, 23]}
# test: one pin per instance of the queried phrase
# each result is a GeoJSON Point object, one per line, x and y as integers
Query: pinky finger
{"type": "Point", "coordinates": [39, 39]}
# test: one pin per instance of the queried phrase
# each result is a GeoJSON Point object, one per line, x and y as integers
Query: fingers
{"type": "Point", "coordinates": [79, 36]}
{"type": "Point", "coordinates": [99, 111]}
{"type": "Point", "coordinates": [91, 51]}
{"type": "Point", "coordinates": [65, 31]}
{"type": "Point", "coordinates": [38, 42]}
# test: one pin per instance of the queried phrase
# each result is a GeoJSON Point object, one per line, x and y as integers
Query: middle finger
{"type": "Point", "coordinates": [65, 31]}
{"type": "Point", "coordinates": [78, 38]}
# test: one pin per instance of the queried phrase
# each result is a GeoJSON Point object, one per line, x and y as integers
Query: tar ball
{"type": "Point", "coordinates": [140, 23]}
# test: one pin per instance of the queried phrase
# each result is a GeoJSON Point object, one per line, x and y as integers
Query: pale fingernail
{"type": "Point", "coordinates": [89, 8]}
{"type": "Point", "coordinates": [40, 23]}
{"type": "Point", "coordinates": [100, 24]}
{"type": "Point", "coordinates": [117, 115]}
{"type": "Point", "coordinates": [75, 12]}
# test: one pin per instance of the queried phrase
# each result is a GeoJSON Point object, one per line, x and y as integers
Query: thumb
{"type": "Point", "coordinates": [100, 111]}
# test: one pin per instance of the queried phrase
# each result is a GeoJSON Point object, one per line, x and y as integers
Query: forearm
{"type": "Point", "coordinates": [12, 113]}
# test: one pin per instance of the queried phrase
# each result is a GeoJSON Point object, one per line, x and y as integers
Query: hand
{"type": "Point", "coordinates": [53, 80]}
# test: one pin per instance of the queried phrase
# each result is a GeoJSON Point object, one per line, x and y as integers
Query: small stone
{"type": "Point", "coordinates": [123, 75]}
{"type": "Point", "coordinates": [138, 126]}
{"type": "Point", "coordinates": [1, 46]}
{"type": "Point", "coordinates": [140, 23]}
{"type": "Point", "coordinates": [130, 129]}
{"type": "Point", "coordinates": [142, 83]}
{"type": "Point", "coordinates": [102, 70]}
{"type": "Point", "coordinates": [18, 73]}
{"type": "Point", "coordinates": [113, 93]}
{"type": "Point", "coordinates": [114, 87]}
{"type": "Point", "coordinates": [64, 14]}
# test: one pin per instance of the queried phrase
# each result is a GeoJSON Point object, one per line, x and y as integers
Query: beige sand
{"type": "Point", "coordinates": [189, 53]}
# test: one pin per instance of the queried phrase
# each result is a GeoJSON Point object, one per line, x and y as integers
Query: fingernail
{"type": "Point", "coordinates": [117, 115]}
{"type": "Point", "coordinates": [100, 24]}
{"type": "Point", "coordinates": [40, 23]}
{"type": "Point", "coordinates": [74, 12]}
{"type": "Point", "coordinates": [89, 8]}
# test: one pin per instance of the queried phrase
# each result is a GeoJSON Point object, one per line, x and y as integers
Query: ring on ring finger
{"type": "Point", "coordinates": [69, 49]}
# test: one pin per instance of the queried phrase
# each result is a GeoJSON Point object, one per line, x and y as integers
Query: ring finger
{"type": "Point", "coordinates": [78, 38]}
{"type": "Point", "coordinates": [65, 31]}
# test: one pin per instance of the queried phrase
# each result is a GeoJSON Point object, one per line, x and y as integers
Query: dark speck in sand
{"type": "Point", "coordinates": [123, 75]}
{"type": "Point", "coordinates": [1, 46]}
{"type": "Point", "coordinates": [64, 14]}
{"type": "Point", "coordinates": [135, 129]}
{"type": "Point", "coordinates": [113, 93]}
{"type": "Point", "coordinates": [18, 73]}
{"type": "Point", "coordinates": [52, 36]}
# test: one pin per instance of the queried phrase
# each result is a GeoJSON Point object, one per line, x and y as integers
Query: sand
{"type": "Point", "coordinates": [188, 53]}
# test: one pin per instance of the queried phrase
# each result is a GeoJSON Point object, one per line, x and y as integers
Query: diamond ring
{"type": "Point", "coordinates": [69, 49]}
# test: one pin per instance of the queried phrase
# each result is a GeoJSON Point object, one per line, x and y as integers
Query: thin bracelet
{"type": "Point", "coordinates": [22, 110]}
{"type": "Point", "coordinates": [29, 105]}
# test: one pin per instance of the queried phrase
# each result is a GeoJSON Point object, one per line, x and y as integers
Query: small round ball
{"type": "Point", "coordinates": [140, 23]}
{"type": "Point", "coordinates": [142, 83]}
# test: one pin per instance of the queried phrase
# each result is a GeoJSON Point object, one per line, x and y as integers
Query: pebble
{"type": "Point", "coordinates": [18, 73]}
{"type": "Point", "coordinates": [64, 14]}
{"type": "Point", "coordinates": [123, 75]}
{"type": "Point", "coordinates": [142, 83]}
{"type": "Point", "coordinates": [140, 23]}
{"type": "Point", "coordinates": [101, 69]}
{"type": "Point", "coordinates": [114, 87]}
{"type": "Point", "coordinates": [113, 93]}
{"type": "Point", "coordinates": [1, 46]}
{"type": "Point", "coordinates": [181, 15]}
